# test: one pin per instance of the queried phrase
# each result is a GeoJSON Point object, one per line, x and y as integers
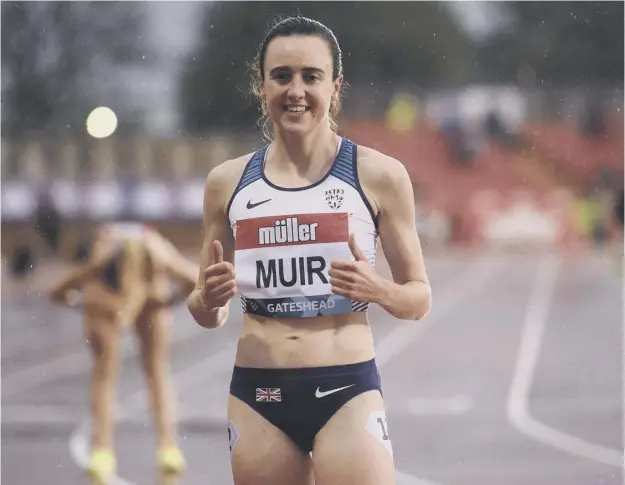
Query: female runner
{"type": "Point", "coordinates": [122, 283]}
{"type": "Point", "coordinates": [299, 220]}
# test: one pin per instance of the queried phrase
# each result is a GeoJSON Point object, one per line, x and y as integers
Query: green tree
{"type": "Point", "coordinates": [49, 50]}
{"type": "Point", "coordinates": [414, 43]}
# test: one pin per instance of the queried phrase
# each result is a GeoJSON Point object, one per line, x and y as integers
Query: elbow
{"type": "Point", "coordinates": [411, 302]}
{"type": "Point", "coordinates": [422, 305]}
{"type": "Point", "coordinates": [423, 310]}
{"type": "Point", "coordinates": [415, 313]}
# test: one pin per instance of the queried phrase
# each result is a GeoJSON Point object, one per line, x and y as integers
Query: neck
{"type": "Point", "coordinates": [304, 151]}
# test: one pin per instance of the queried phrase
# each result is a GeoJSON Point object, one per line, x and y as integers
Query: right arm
{"type": "Point", "coordinates": [208, 302]}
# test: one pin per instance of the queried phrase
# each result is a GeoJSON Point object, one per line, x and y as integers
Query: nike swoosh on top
{"type": "Point", "coordinates": [251, 205]}
{"type": "Point", "coordinates": [319, 393]}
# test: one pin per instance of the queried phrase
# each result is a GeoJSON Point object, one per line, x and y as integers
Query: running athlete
{"type": "Point", "coordinates": [299, 220]}
{"type": "Point", "coordinates": [123, 278]}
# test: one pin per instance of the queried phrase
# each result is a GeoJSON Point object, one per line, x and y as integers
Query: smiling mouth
{"type": "Point", "coordinates": [297, 110]}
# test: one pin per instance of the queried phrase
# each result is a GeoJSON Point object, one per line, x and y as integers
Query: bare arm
{"type": "Point", "coordinates": [219, 186]}
{"type": "Point", "coordinates": [179, 294]}
{"type": "Point", "coordinates": [408, 296]}
{"type": "Point", "coordinates": [173, 264]}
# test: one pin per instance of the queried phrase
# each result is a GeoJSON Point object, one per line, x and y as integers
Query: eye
{"type": "Point", "coordinates": [311, 78]}
{"type": "Point", "coordinates": [281, 77]}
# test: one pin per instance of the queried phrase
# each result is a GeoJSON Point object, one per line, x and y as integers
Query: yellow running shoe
{"type": "Point", "coordinates": [102, 464]}
{"type": "Point", "coordinates": [171, 460]}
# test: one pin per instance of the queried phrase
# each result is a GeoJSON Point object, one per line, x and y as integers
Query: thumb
{"type": "Point", "coordinates": [218, 252]}
{"type": "Point", "coordinates": [355, 249]}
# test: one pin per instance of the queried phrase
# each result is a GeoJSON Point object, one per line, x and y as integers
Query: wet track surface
{"type": "Point", "coordinates": [514, 378]}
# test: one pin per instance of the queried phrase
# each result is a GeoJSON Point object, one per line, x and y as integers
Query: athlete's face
{"type": "Point", "coordinates": [298, 88]}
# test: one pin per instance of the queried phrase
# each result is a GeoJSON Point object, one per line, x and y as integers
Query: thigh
{"type": "Point", "coordinates": [357, 434]}
{"type": "Point", "coordinates": [261, 454]}
{"type": "Point", "coordinates": [152, 326]}
{"type": "Point", "coordinates": [102, 323]}
{"type": "Point", "coordinates": [101, 333]}
{"type": "Point", "coordinates": [152, 332]}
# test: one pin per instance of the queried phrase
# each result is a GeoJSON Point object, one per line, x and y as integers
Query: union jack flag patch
{"type": "Point", "coordinates": [271, 394]}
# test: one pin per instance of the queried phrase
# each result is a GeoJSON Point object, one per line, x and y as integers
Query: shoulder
{"type": "Point", "coordinates": [381, 170]}
{"type": "Point", "coordinates": [228, 172]}
{"type": "Point", "coordinates": [381, 175]}
{"type": "Point", "coordinates": [222, 180]}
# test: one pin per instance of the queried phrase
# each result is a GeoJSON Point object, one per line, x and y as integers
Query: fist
{"type": "Point", "coordinates": [219, 280]}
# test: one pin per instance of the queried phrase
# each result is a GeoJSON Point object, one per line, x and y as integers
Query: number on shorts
{"type": "Point", "coordinates": [233, 436]}
{"type": "Point", "coordinates": [377, 426]}
{"type": "Point", "coordinates": [383, 425]}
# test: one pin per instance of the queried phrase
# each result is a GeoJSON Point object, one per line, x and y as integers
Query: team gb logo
{"type": "Point", "coordinates": [334, 198]}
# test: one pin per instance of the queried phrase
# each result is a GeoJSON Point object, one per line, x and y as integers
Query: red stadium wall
{"type": "Point", "coordinates": [501, 199]}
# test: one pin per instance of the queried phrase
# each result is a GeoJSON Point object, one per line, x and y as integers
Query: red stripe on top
{"type": "Point", "coordinates": [262, 232]}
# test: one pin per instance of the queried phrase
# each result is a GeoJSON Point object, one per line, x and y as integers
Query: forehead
{"type": "Point", "coordinates": [299, 51]}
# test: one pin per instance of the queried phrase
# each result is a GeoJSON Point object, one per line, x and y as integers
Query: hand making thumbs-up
{"type": "Point", "coordinates": [356, 280]}
{"type": "Point", "coordinates": [219, 280]}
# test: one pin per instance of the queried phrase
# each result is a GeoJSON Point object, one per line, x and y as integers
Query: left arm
{"type": "Point", "coordinates": [176, 266]}
{"type": "Point", "coordinates": [408, 296]}
{"type": "Point", "coordinates": [170, 260]}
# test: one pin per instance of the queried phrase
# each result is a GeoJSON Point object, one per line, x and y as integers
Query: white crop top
{"type": "Point", "coordinates": [285, 238]}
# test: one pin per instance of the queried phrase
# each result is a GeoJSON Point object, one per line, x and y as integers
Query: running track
{"type": "Point", "coordinates": [513, 379]}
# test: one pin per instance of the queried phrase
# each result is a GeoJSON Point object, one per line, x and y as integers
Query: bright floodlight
{"type": "Point", "coordinates": [101, 122]}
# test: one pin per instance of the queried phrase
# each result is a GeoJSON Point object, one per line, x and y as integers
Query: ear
{"type": "Point", "coordinates": [336, 93]}
{"type": "Point", "coordinates": [337, 86]}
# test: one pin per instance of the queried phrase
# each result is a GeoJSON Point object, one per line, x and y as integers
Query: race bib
{"type": "Point", "coordinates": [282, 263]}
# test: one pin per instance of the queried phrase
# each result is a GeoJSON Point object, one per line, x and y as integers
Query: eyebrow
{"type": "Point", "coordinates": [287, 68]}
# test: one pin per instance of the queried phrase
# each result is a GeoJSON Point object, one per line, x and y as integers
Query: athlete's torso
{"type": "Point", "coordinates": [119, 236]}
{"type": "Point", "coordinates": [128, 276]}
{"type": "Point", "coordinates": [285, 240]}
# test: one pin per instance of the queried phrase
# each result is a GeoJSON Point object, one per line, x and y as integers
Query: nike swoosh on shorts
{"type": "Point", "coordinates": [320, 394]}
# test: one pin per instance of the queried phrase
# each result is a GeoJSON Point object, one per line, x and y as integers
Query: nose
{"type": "Point", "coordinates": [296, 89]}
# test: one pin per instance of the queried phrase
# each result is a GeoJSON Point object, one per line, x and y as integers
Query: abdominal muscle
{"type": "Point", "coordinates": [304, 342]}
